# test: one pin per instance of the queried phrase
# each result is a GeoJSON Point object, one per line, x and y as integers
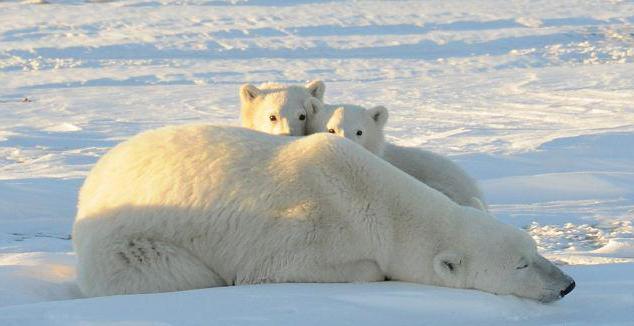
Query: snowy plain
{"type": "Point", "coordinates": [534, 98]}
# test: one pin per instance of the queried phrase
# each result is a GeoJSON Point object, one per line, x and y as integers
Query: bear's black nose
{"type": "Point", "coordinates": [568, 289]}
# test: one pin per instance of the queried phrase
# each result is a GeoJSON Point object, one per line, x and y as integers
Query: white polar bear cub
{"type": "Point", "coordinates": [278, 109]}
{"type": "Point", "coordinates": [365, 127]}
{"type": "Point", "coordinates": [197, 206]}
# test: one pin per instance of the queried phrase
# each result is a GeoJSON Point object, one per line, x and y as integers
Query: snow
{"type": "Point", "coordinates": [534, 98]}
{"type": "Point", "coordinates": [383, 303]}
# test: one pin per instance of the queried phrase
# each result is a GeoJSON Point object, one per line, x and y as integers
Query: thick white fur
{"type": "Point", "coordinates": [197, 206]}
{"type": "Point", "coordinates": [347, 120]}
{"type": "Point", "coordinates": [288, 104]}
{"type": "Point", "coordinates": [437, 171]}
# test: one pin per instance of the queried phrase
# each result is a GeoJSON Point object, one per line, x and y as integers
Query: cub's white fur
{"type": "Point", "coordinates": [198, 206]}
{"type": "Point", "coordinates": [278, 109]}
{"type": "Point", "coordinates": [365, 127]}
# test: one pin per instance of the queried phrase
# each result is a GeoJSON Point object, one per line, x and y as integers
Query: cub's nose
{"type": "Point", "coordinates": [567, 290]}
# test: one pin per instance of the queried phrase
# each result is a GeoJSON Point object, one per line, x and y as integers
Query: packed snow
{"type": "Point", "coordinates": [535, 99]}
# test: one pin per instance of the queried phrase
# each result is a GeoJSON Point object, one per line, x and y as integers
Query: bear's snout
{"type": "Point", "coordinates": [567, 290]}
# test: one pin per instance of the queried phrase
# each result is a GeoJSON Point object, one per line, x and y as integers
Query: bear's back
{"type": "Point", "coordinates": [162, 166]}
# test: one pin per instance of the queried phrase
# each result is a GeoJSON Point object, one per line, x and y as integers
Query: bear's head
{"type": "Point", "coordinates": [498, 258]}
{"type": "Point", "coordinates": [362, 126]}
{"type": "Point", "coordinates": [277, 109]}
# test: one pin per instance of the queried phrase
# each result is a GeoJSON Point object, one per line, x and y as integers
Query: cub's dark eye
{"type": "Point", "coordinates": [302, 117]}
{"type": "Point", "coordinates": [272, 118]}
{"type": "Point", "coordinates": [522, 267]}
{"type": "Point", "coordinates": [332, 131]}
{"type": "Point", "coordinates": [359, 132]}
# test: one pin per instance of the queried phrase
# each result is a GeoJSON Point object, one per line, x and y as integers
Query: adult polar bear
{"type": "Point", "coordinates": [198, 206]}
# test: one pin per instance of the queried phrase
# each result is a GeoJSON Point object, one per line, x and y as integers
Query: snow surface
{"type": "Point", "coordinates": [534, 98]}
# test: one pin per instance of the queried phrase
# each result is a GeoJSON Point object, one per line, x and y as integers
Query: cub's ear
{"type": "Point", "coordinates": [316, 88]}
{"type": "Point", "coordinates": [248, 93]}
{"type": "Point", "coordinates": [448, 265]}
{"type": "Point", "coordinates": [313, 106]}
{"type": "Point", "coordinates": [379, 115]}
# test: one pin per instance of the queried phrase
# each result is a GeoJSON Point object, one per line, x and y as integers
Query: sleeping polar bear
{"type": "Point", "coordinates": [197, 206]}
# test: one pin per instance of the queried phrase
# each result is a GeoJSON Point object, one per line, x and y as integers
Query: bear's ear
{"type": "Point", "coordinates": [313, 106]}
{"type": "Point", "coordinates": [448, 265]}
{"type": "Point", "coordinates": [248, 93]}
{"type": "Point", "coordinates": [316, 88]}
{"type": "Point", "coordinates": [379, 115]}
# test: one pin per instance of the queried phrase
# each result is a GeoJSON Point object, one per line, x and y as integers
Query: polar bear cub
{"type": "Point", "coordinates": [365, 127]}
{"type": "Point", "coordinates": [278, 109]}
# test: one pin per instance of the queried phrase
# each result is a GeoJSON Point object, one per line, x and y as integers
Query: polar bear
{"type": "Point", "coordinates": [197, 206]}
{"type": "Point", "coordinates": [365, 127]}
{"type": "Point", "coordinates": [278, 109]}
{"type": "Point", "coordinates": [361, 125]}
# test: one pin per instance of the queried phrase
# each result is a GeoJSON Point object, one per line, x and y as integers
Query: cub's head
{"type": "Point", "coordinates": [500, 259]}
{"type": "Point", "coordinates": [277, 109]}
{"type": "Point", "coordinates": [361, 125]}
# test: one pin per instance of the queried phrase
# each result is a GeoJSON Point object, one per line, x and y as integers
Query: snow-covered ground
{"type": "Point", "coordinates": [534, 98]}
